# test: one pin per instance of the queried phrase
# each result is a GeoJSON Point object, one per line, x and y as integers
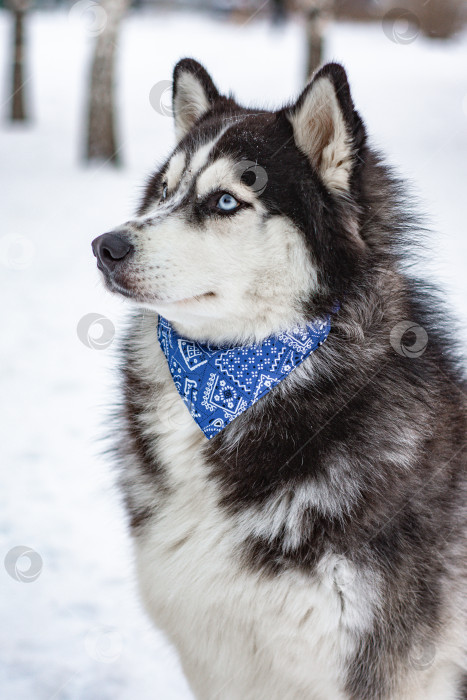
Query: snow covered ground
{"type": "Point", "coordinates": [75, 629]}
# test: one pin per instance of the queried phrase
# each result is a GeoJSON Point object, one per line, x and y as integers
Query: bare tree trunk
{"type": "Point", "coordinates": [278, 11]}
{"type": "Point", "coordinates": [314, 41]}
{"type": "Point", "coordinates": [101, 143]}
{"type": "Point", "coordinates": [18, 108]}
{"type": "Point", "coordinates": [317, 13]}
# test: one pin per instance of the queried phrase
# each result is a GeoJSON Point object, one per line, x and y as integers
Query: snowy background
{"type": "Point", "coordinates": [77, 631]}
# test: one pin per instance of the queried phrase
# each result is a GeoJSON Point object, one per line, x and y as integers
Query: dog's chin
{"type": "Point", "coordinates": [176, 306]}
{"type": "Point", "coordinates": [117, 287]}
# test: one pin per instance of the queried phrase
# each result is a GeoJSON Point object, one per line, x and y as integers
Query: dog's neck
{"type": "Point", "coordinates": [218, 383]}
{"type": "Point", "coordinates": [240, 327]}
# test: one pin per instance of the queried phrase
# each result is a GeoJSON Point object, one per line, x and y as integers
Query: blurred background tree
{"type": "Point", "coordinates": [317, 14]}
{"type": "Point", "coordinates": [101, 138]}
{"type": "Point", "coordinates": [18, 102]}
{"type": "Point", "coordinates": [436, 19]}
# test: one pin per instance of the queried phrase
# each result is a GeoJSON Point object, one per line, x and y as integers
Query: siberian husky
{"type": "Point", "coordinates": [307, 541]}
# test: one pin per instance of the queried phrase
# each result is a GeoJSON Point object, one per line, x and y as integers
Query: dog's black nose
{"type": "Point", "coordinates": [110, 249]}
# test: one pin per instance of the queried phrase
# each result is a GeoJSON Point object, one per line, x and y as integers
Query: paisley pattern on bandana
{"type": "Point", "coordinates": [217, 384]}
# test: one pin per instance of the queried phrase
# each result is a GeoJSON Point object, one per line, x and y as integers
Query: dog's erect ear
{"type": "Point", "coordinates": [193, 95]}
{"type": "Point", "coordinates": [327, 129]}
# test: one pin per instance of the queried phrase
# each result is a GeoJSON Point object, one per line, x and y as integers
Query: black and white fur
{"type": "Point", "coordinates": [316, 548]}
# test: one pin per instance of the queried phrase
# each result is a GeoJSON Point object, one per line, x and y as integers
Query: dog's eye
{"type": "Point", "coordinates": [227, 202]}
{"type": "Point", "coordinates": [165, 189]}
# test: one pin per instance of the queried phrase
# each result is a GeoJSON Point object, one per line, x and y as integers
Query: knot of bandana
{"type": "Point", "coordinates": [217, 384]}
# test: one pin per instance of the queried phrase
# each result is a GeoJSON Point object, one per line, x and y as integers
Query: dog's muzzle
{"type": "Point", "coordinates": [111, 250]}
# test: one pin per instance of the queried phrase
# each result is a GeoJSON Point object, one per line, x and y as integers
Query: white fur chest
{"type": "Point", "coordinates": [241, 635]}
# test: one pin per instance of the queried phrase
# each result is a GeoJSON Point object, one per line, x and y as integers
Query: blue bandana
{"type": "Point", "coordinates": [217, 384]}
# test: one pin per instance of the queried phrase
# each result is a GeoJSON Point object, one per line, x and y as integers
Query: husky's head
{"type": "Point", "coordinates": [252, 223]}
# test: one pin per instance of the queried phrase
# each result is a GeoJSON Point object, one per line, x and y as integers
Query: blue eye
{"type": "Point", "coordinates": [227, 202]}
{"type": "Point", "coordinates": [165, 189]}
